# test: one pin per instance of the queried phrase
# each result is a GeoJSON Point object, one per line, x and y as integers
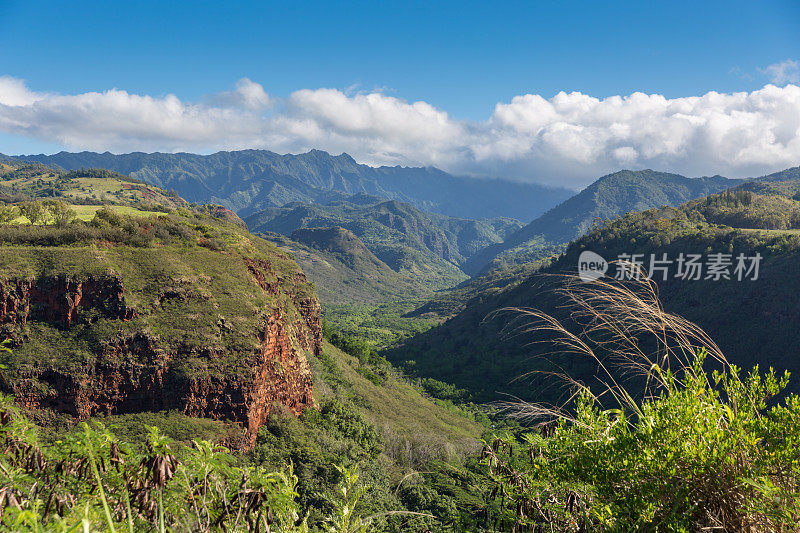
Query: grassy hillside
{"type": "Point", "coordinates": [131, 314]}
{"type": "Point", "coordinates": [609, 197]}
{"type": "Point", "coordinates": [19, 181]}
{"type": "Point", "coordinates": [250, 180]}
{"type": "Point", "coordinates": [398, 409]}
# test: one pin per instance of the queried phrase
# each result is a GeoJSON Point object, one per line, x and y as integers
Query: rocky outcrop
{"type": "Point", "coordinates": [137, 372]}
{"type": "Point", "coordinates": [309, 326]}
{"type": "Point", "coordinates": [61, 299]}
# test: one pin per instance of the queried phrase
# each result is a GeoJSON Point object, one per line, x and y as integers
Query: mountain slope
{"type": "Point", "coordinates": [608, 197]}
{"type": "Point", "coordinates": [423, 245]}
{"type": "Point", "coordinates": [249, 180]}
{"type": "Point", "coordinates": [342, 269]}
{"type": "Point", "coordinates": [753, 321]}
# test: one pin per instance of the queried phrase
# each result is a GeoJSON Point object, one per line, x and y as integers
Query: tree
{"type": "Point", "coordinates": [34, 211]}
{"type": "Point", "coordinates": [61, 212]}
{"type": "Point", "coordinates": [7, 214]}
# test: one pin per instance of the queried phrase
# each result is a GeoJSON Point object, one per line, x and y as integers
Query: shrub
{"type": "Point", "coordinates": [62, 213]}
{"type": "Point", "coordinates": [106, 226]}
{"type": "Point", "coordinates": [7, 213]}
{"type": "Point", "coordinates": [105, 216]}
{"type": "Point", "coordinates": [694, 450]}
{"type": "Point", "coordinates": [90, 477]}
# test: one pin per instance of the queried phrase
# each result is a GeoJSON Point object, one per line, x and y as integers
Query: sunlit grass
{"type": "Point", "coordinates": [87, 212]}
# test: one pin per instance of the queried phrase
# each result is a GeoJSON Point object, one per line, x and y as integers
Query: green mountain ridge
{"type": "Point", "coordinates": [247, 181]}
{"type": "Point", "coordinates": [342, 269]}
{"type": "Point", "coordinates": [608, 197]}
{"type": "Point", "coordinates": [425, 246]}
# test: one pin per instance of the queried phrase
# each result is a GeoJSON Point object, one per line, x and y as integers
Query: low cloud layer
{"type": "Point", "coordinates": [569, 139]}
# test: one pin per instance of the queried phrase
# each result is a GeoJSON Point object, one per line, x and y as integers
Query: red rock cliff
{"type": "Point", "coordinates": [134, 372]}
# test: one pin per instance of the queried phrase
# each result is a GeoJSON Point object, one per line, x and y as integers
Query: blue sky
{"type": "Point", "coordinates": [462, 58]}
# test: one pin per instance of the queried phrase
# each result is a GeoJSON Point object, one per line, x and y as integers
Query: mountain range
{"type": "Point", "coordinates": [430, 247]}
{"type": "Point", "coordinates": [254, 183]}
{"type": "Point", "coordinates": [247, 181]}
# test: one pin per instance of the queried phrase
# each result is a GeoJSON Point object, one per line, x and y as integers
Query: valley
{"type": "Point", "coordinates": [383, 267]}
{"type": "Point", "coordinates": [353, 330]}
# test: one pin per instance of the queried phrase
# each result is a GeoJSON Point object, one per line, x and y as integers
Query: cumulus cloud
{"type": "Point", "coordinates": [248, 94]}
{"type": "Point", "coordinates": [786, 71]}
{"type": "Point", "coordinates": [569, 139]}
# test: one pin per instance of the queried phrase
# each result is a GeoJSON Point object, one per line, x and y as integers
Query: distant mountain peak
{"type": "Point", "coordinates": [609, 196]}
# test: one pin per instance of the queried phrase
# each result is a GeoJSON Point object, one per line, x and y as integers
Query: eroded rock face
{"type": "Point", "coordinates": [60, 299]}
{"type": "Point", "coordinates": [136, 372]}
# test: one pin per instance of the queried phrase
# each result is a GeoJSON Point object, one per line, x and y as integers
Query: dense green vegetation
{"type": "Point", "coordinates": [90, 479]}
{"type": "Point", "coordinates": [247, 181]}
{"type": "Point", "coordinates": [691, 450]}
{"type": "Point", "coordinates": [380, 325]}
{"type": "Point", "coordinates": [482, 356]}
{"type": "Point", "coordinates": [702, 455]}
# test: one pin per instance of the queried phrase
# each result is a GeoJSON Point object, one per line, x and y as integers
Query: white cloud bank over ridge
{"type": "Point", "coordinates": [569, 139]}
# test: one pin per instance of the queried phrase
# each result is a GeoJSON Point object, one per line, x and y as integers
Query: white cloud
{"type": "Point", "coordinates": [786, 71]}
{"type": "Point", "coordinates": [14, 92]}
{"type": "Point", "coordinates": [248, 94]}
{"type": "Point", "coordinates": [569, 139]}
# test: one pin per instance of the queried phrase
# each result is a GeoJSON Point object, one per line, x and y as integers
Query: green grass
{"type": "Point", "coordinates": [399, 407]}
{"type": "Point", "coordinates": [81, 186]}
{"type": "Point", "coordinates": [87, 212]}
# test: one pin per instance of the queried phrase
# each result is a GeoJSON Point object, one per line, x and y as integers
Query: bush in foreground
{"type": "Point", "coordinates": [695, 450]}
{"type": "Point", "coordinates": [91, 480]}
